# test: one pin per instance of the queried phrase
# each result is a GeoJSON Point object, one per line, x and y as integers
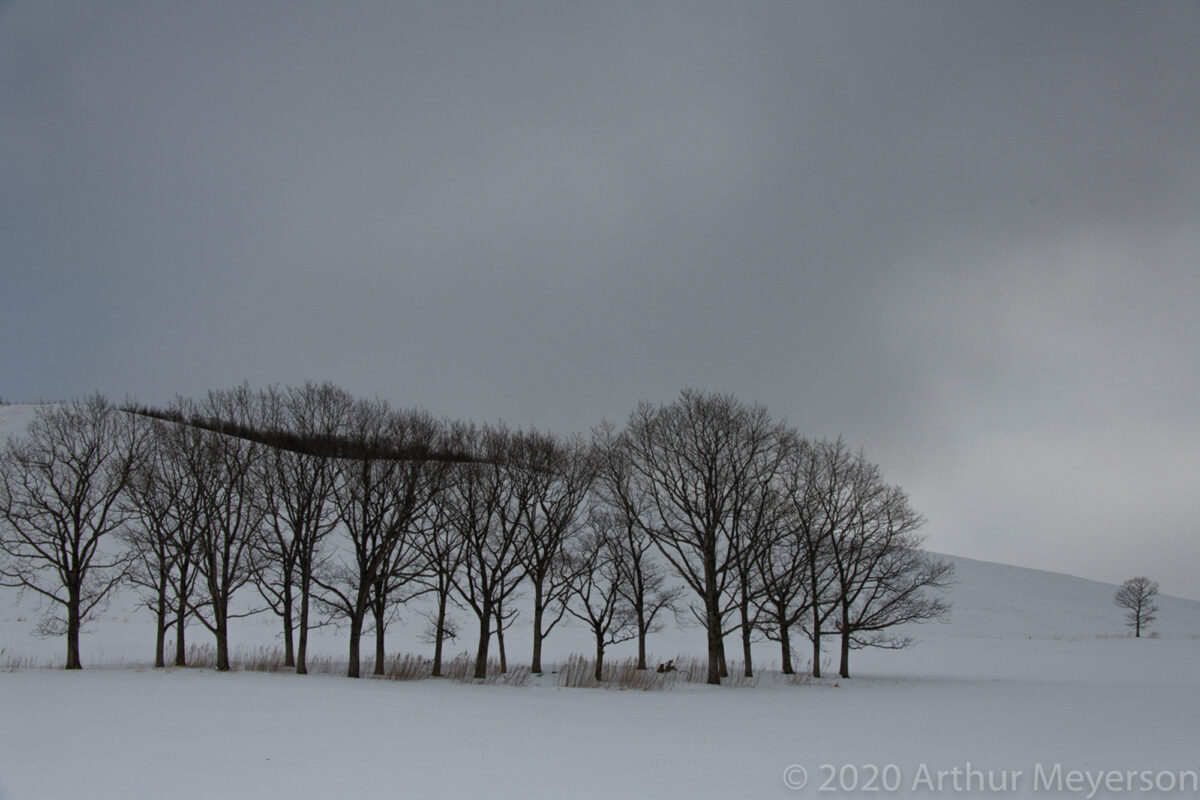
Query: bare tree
{"type": "Point", "coordinates": [504, 617]}
{"type": "Point", "coordinates": [189, 518]}
{"type": "Point", "coordinates": [228, 474]}
{"type": "Point", "coordinates": [398, 580]}
{"type": "Point", "coordinates": [381, 493]}
{"type": "Point", "coordinates": [553, 477]}
{"type": "Point", "coordinates": [298, 493]}
{"type": "Point", "coordinates": [644, 583]}
{"type": "Point", "coordinates": [754, 533]}
{"type": "Point", "coordinates": [882, 575]}
{"type": "Point", "coordinates": [782, 570]}
{"type": "Point", "coordinates": [60, 487]}
{"type": "Point", "coordinates": [699, 462]}
{"type": "Point", "coordinates": [417, 483]}
{"type": "Point", "coordinates": [817, 503]}
{"type": "Point", "coordinates": [443, 552]}
{"type": "Point", "coordinates": [1136, 596]}
{"type": "Point", "coordinates": [164, 501]}
{"type": "Point", "coordinates": [484, 513]}
{"type": "Point", "coordinates": [596, 596]}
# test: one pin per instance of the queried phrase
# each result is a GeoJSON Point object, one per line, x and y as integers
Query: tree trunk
{"type": "Point", "coordinates": [714, 655]}
{"type": "Point", "coordinates": [378, 605]}
{"type": "Point", "coordinates": [599, 658]}
{"type": "Point", "coordinates": [844, 670]}
{"type": "Point", "coordinates": [724, 664]}
{"type": "Point", "coordinates": [500, 644]}
{"type": "Point", "coordinates": [746, 632]}
{"type": "Point", "coordinates": [73, 625]}
{"type": "Point", "coordinates": [356, 623]}
{"type": "Point", "coordinates": [536, 666]}
{"type": "Point", "coordinates": [289, 649]}
{"type": "Point", "coordinates": [785, 645]}
{"type": "Point", "coordinates": [180, 636]}
{"type": "Point", "coordinates": [222, 634]}
{"type": "Point", "coordinates": [302, 644]}
{"type": "Point", "coordinates": [485, 637]}
{"type": "Point", "coordinates": [716, 646]}
{"type": "Point", "coordinates": [641, 639]}
{"type": "Point", "coordinates": [439, 635]}
{"type": "Point", "coordinates": [816, 609]}
{"type": "Point", "coordinates": [712, 616]}
{"type": "Point", "coordinates": [816, 642]}
{"type": "Point", "coordinates": [380, 630]}
{"type": "Point", "coordinates": [160, 638]}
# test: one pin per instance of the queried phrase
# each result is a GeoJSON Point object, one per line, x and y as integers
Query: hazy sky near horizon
{"type": "Point", "coordinates": [964, 236]}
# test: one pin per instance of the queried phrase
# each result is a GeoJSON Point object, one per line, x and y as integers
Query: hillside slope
{"type": "Point", "coordinates": [998, 600]}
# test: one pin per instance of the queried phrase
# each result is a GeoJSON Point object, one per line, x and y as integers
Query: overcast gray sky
{"type": "Point", "coordinates": [964, 236]}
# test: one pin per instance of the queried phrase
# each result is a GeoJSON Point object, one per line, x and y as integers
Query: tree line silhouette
{"type": "Point", "coordinates": [340, 509]}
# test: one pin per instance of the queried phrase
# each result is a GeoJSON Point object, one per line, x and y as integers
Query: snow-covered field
{"type": "Point", "coordinates": [1032, 689]}
{"type": "Point", "coordinates": [1034, 673]}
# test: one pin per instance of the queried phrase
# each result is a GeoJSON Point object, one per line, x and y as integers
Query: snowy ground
{"type": "Point", "coordinates": [1033, 674]}
{"type": "Point", "coordinates": [1002, 689]}
{"type": "Point", "coordinates": [998, 705]}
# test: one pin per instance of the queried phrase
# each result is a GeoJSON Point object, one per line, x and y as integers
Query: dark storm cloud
{"type": "Point", "coordinates": [961, 235]}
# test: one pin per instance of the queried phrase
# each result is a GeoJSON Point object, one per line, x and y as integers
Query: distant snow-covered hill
{"type": "Point", "coordinates": [14, 420]}
{"type": "Point", "coordinates": [998, 600]}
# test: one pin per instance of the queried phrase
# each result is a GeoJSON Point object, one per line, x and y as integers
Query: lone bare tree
{"type": "Point", "coordinates": [60, 491]}
{"type": "Point", "coordinates": [1136, 596]}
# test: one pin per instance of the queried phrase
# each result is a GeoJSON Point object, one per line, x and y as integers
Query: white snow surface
{"type": "Point", "coordinates": [1034, 672]}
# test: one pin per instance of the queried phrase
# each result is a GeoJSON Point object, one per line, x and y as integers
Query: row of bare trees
{"type": "Point", "coordinates": [337, 509]}
{"type": "Point", "coordinates": [771, 532]}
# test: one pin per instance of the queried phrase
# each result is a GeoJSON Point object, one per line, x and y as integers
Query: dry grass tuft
{"type": "Point", "coordinates": [579, 672]}
{"type": "Point", "coordinates": [11, 662]}
{"type": "Point", "coordinates": [400, 667]}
